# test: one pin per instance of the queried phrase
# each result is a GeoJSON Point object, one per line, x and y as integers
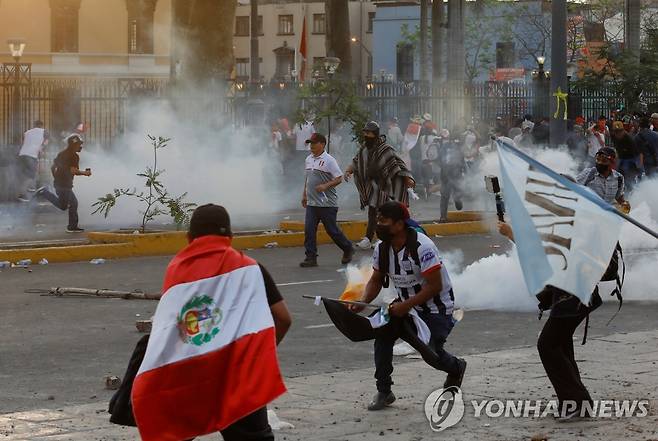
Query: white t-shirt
{"type": "Point", "coordinates": [320, 170]}
{"type": "Point", "coordinates": [408, 277]}
{"type": "Point", "coordinates": [33, 142]}
{"type": "Point", "coordinates": [303, 132]}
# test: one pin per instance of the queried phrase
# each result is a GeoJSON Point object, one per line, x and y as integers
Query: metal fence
{"type": "Point", "coordinates": [107, 106]}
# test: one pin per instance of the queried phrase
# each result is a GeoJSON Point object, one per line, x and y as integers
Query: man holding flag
{"type": "Point", "coordinates": [565, 235]}
{"type": "Point", "coordinates": [412, 261]}
{"type": "Point", "coordinates": [211, 363]}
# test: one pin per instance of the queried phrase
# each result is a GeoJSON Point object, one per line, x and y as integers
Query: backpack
{"type": "Point", "coordinates": [410, 249]}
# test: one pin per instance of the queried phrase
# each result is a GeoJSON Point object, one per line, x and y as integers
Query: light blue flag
{"type": "Point", "coordinates": [565, 234]}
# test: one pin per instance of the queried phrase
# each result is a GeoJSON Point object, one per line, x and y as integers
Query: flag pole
{"type": "Point", "coordinates": [575, 187]}
{"type": "Point", "coordinates": [345, 302]}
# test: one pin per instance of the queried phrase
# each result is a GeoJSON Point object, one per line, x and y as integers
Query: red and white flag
{"type": "Point", "coordinates": [302, 52]}
{"type": "Point", "coordinates": [211, 358]}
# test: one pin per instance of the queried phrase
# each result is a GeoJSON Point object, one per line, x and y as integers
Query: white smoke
{"type": "Point", "coordinates": [233, 168]}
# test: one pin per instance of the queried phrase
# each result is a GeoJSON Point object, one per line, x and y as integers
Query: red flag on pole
{"type": "Point", "coordinates": [302, 52]}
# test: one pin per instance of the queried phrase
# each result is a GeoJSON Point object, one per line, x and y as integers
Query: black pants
{"type": "Point", "coordinates": [326, 215]}
{"type": "Point", "coordinates": [555, 346]}
{"type": "Point", "coordinates": [372, 223]}
{"type": "Point", "coordinates": [449, 187]}
{"type": "Point", "coordinates": [440, 326]}
{"type": "Point", "coordinates": [253, 427]}
{"type": "Point", "coordinates": [65, 199]}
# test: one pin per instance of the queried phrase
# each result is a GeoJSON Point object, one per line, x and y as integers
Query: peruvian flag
{"type": "Point", "coordinates": [302, 51]}
{"type": "Point", "coordinates": [211, 358]}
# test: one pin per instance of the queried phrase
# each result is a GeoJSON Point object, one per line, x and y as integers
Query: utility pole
{"type": "Point", "coordinates": [558, 132]}
{"type": "Point", "coordinates": [438, 15]}
{"type": "Point", "coordinates": [255, 59]}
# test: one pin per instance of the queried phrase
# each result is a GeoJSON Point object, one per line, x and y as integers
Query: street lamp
{"type": "Point", "coordinates": [330, 66]}
{"type": "Point", "coordinates": [540, 82]}
{"type": "Point", "coordinates": [13, 75]}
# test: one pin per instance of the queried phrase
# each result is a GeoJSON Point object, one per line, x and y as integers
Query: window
{"type": "Point", "coordinates": [318, 23]}
{"type": "Point", "coordinates": [405, 62]}
{"type": "Point", "coordinates": [286, 25]}
{"type": "Point", "coordinates": [242, 26]}
{"type": "Point", "coordinates": [242, 68]}
{"type": "Point", "coordinates": [260, 25]}
{"type": "Point", "coordinates": [140, 27]}
{"type": "Point", "coordinates": [371, 18]}
{"type": "Point", "coordinates": [505, 55]}
{"type": "Point", "coordinates": [64, 25]}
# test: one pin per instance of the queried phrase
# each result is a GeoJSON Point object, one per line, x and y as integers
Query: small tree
{"type": "Point", "coordinates": [156, 200]}
{"type": "Point", "coordinates": [332, 98]}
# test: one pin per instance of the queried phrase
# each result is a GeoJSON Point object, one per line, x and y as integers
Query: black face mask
{"type": "Point", "coordinates": [370, 142]}
{"type": "Point", "coordinates": [602, 168]}
{"type": "Point", "coordinates": [384, 233]}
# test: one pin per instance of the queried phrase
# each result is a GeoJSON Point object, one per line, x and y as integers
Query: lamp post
{"type": "Point", "coordinates": [330, 66]}
{"type": "Point", "coordinates": [539, 77]}
{"type": "Point", "coordinates": [13, 75]}
{"type": "Point", "coordinates": [363, 46]}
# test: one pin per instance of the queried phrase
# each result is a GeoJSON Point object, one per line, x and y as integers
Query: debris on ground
{"type": "Point", "coordinates": [43, 262]}
{"type": "Point", "coordinates": [97, 261]}
{"type": "Point", "coordinates": [112, 382]}
{"type": "Point", "coordinates": [271, 245]}
{"type": "Point", "coordinates": [5, 264]}
{"type": "Point", "coordinates": [539, 437]}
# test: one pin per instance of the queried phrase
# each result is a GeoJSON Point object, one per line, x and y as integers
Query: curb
{"type": "Point", "coordinates": [110, 245]}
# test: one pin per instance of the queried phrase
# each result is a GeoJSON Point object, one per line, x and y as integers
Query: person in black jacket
{"type": "Point", "coordinates": [647, 142]}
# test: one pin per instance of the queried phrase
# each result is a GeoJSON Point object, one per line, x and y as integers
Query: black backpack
{"type": "Point", "coordinates": [410, 250]}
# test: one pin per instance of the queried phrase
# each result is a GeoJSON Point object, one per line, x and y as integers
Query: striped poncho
{"type": "Point", "coordinates": [379, 175]}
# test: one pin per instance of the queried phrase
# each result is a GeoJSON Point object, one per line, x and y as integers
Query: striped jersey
{"type": "Point", "coordinates": [409, 278]}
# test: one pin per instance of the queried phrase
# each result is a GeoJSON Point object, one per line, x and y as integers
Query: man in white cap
{"type": "Point", "coordinates": [654, 121]}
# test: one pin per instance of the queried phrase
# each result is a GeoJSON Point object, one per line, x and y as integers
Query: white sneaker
{"type": "Point", "coordinates": [364, 244]}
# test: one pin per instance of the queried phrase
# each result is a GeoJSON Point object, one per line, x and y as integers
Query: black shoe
{"type": "Point", "coordinates": [459, 205]}
{"type": "Point", "coordinates": [381, 400]}
{"type": "Point", "coordinates": [309, 262]}
{"type": "Point", "coordinates": [347, 256]}
{"type": "Point", "coordinates": [75, 230]}
{"type": "Point", "coordinates": [456, 379]}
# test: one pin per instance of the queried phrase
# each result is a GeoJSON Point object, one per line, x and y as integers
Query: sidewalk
{"type": "Point", "coordinates": [332, 407]}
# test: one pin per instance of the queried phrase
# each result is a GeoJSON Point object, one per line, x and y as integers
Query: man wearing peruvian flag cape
{"type": "Point", "coordinates": [211, 363]}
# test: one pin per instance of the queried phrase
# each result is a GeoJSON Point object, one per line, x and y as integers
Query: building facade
{"type": "Point", "coordinates": [131, 38]}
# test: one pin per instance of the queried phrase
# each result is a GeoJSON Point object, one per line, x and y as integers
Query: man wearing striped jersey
{"type": "Point", "coordinates": [411, 260]}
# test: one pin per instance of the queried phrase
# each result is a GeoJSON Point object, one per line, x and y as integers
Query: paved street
{"type": "Point", "coordinates": [56, 351]}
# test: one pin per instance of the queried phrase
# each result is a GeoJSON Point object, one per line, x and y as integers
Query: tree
{"type": "Point", "coordinates": [338, 34]}
{"type": "Point", "coordinates": [202, 41]}
{"type": "Point", "coordinates": [438, 37]}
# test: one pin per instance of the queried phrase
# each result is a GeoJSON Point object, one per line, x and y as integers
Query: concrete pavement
{"type": "Point", "coordinates": [331, 406]}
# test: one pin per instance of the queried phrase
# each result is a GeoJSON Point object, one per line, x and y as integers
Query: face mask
{"type": "Point", "coordinates": [602, 168]}
{"type": "Point", "coordinates": [370, 142]}
{"type": "Point", "coordinates": [384, 233]}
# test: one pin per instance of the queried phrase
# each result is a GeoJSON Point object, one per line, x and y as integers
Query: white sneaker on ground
{"type": "Point", "coordinates": [364, 244]}
{"type": "Point", "coordinates": [31, 190]}
{"type": "Point", "coordinates": [23, 198]}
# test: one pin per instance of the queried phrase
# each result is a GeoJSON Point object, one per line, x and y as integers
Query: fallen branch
{"type": "Point", "coordinates": [102, 293]}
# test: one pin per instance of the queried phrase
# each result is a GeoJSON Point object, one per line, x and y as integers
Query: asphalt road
{"type": "Point", "coordinates": [56, 351]}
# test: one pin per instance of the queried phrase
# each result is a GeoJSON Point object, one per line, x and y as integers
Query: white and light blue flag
{"type": "Point", "coordinates": [565, 234]}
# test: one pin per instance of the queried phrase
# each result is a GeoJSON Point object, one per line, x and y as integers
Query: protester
{"type": "Point", "coordinates": [629, 156]}
{"type": "Point", "coordinates": [525, 140]}
{"type": "Point", "coordinates": [597, 138]}
{"type": "Point", "coordinates": [394, 136]}
{"type": "Point", "coordinates": [603, 179]}
{"type": "Point", "coordinates": [577, 143]}
{"type": "Point", "coordinates": [541, 132]}
{"type": "Point", "coordinates": [423, 286]}
{"type": "Point", "coordinates": [654, 122]}
{"type": "Point", "coordinates": [65, 167]}
{"type": "Point", "coordinates": [276, 141]}
{"type": "Point", "coordinates": [34, 140]}
{"type": "Point", "coordinates": [410, 140]}
{"type": "Point", "coordinates": [211, 362]}
{"type": "Point", "coordinates": [452, 165]}
{"type": "Point", "coordinates": [321, 201]}
{"type": "Point", "coordinates": [302, 131]}
{"type": "Point", "coordinates": [471, 148]}
{"type": "Point", "coordinates": [647, 142]}
{"type": "Point", "coordinates": [380, 175]}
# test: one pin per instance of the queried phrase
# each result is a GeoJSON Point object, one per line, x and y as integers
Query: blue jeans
{"type": "Point", "coordinates": [440, 326]}
{"type": "Point", "coordinates": [328, 217]}
{"type": "Point", "coordinates": [65, 199]}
